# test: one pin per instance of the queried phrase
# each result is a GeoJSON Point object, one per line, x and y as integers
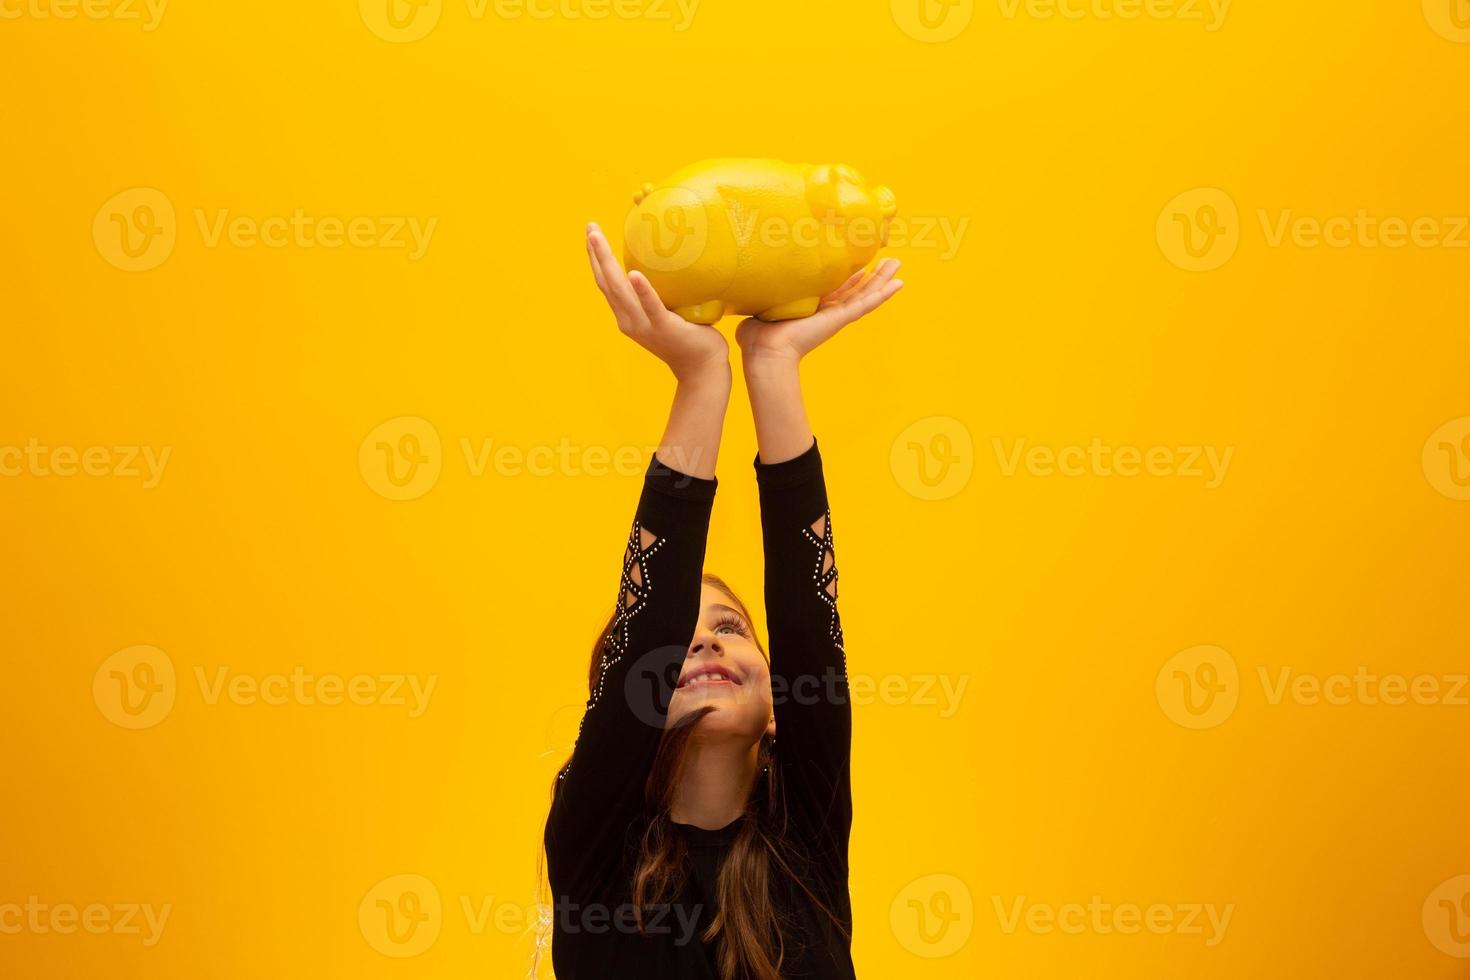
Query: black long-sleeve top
{"type": "Point", "coordinates": [598, 814]}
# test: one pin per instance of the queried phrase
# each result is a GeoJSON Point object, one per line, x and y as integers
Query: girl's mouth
{"type": "Point", "coordinates": [711, 674]}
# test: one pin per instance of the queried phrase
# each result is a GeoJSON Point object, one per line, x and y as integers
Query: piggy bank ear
{"type": "Point", "coordinates": [831, 189]}
{"type": "Point", "coordinates": [824, 174]}
{"type": "Point", "coordinates": [833, 175]}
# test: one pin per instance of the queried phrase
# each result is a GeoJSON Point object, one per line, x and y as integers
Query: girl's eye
{"type": "Point", "coordinates": [732, 625]}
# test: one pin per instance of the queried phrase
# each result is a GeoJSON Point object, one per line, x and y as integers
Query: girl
{"type": "Point", "coordinates": [682, 842]}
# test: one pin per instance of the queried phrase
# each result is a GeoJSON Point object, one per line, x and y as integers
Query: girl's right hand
{"type": "Point", "coordinates": [694, 352]}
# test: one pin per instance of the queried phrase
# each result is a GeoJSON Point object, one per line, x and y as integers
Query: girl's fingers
{"type": "Point", "coordinates": [596, 268]}
{"type": "Point", "coordinates": [861, 282]}
{"type": "Point", "coordinates": [870, 301]}
{"type": "Point", "coordinates": [653, 307]}
{"type": "Point", "coordinates": [838, 294]}
{"type": "Point", "coordinates": [880, 277]}
{"type": "Point", "coordinates": [619, 293]}
{"type": "Point", "coordinates": [866, 302]}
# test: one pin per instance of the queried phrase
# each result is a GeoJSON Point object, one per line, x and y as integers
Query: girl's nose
{"type": "Point", "coordinates": [706, 641]}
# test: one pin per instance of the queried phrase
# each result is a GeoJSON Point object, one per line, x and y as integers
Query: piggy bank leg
{"type": "Point", "coordinates": [791, 311]}
{"type": "Point", "coordinates": [706, 313]}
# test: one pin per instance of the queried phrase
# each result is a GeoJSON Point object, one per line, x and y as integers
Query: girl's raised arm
{"type": "Point", "coordinates": [808, 658]}
{"type": "Point", "coordinates": [601, 791]}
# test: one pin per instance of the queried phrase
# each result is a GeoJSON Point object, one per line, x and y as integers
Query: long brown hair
{"type": "Point", "coordinates": [747, 931]}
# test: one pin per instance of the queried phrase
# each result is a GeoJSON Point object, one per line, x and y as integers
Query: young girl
{"type": "Point", "coordinates": [683, 841]}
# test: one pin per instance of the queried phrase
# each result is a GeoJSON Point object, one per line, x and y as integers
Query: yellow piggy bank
{"type": "Point", "coordinates": [754, 237]}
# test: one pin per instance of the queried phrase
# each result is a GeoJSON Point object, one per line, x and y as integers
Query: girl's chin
{"type": "Point", "coordinates": [694, 696]}
{"type": "Point", "coordinates": [718, 722]}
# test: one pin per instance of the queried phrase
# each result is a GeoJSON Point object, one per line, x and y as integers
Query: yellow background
{"type": "Point", "coordinates": [1332, 543]}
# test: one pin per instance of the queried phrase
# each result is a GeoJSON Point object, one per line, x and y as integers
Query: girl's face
{"type": "Point", "coordinates": [723, 668]}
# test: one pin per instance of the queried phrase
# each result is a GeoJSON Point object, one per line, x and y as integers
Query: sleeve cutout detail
{"type": "Point", "coordinates": [633, 592]}
{"type": "Point", "coordinates": [824, 575]}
